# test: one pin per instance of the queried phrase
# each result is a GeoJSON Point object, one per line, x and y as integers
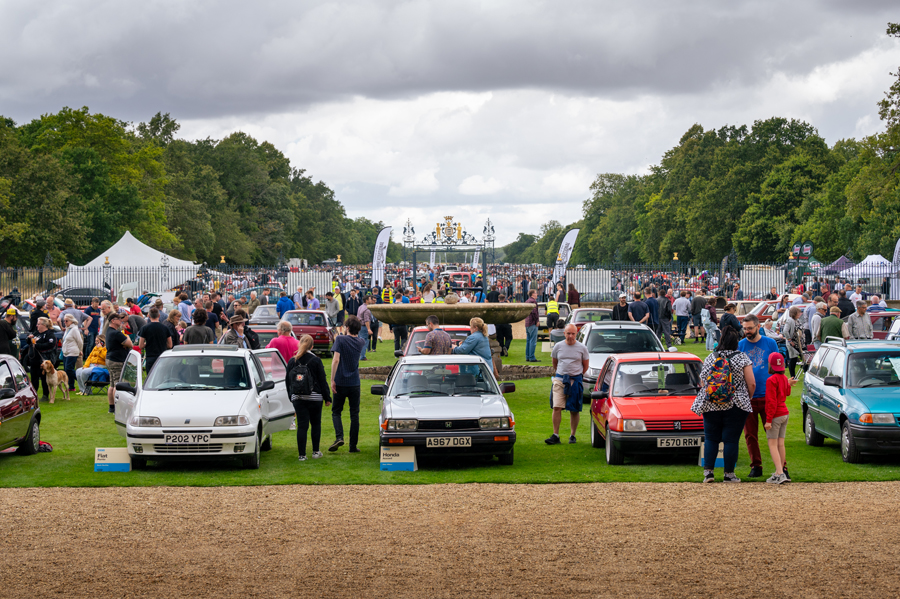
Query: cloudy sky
{"type": "Point", "coordinates": [420, 109]}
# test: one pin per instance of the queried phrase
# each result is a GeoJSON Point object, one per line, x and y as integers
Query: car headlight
{"type": "Point", "coordinates": [145, 421]}
{"type": "Point", "coordinates": [231, 421]}
{"type": "Point", "coordinates": [594, 372]}
{"type": "Point", "coordinates": [635, 426]}
{"type": "Point", "coordinates": [877, 418]}
{"type": "Point", "coordinates": [402, 425]}
{"type": "Point", "coordinates": [493, 423]}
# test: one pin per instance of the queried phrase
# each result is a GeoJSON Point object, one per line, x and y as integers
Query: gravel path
{"type": "Point", "coordinates": [590, 540]}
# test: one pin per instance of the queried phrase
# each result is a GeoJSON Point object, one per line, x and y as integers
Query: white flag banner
{"type": "Point", "coordinates": [565, 252]}
{"type": "Point", "coordinates": [475, 259]}
{"type": "Point", "coordinates": [379, 257]}
{"type": "Point", "coordinates": [431, 260]}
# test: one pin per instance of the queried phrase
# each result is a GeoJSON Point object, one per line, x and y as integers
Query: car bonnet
{"type": "Point", "coordinates": [200, 408]}
{"type": "Point", "coordinates": [436, 407]}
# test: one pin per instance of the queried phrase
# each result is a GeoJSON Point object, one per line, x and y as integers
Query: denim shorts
{"type": "Point", "coordinates": [697, 320]}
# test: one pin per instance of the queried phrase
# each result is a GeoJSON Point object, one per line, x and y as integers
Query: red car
{"type": "Point", "coordinates": [314, 323]}
{"type": "Point", "coordinates": [20, 416]}
{"type": "Point", "coordinates": [416, 339]}
{"type": "Point", "coordinates": [641, 403]}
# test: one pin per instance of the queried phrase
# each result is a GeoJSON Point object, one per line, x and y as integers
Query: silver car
{"type": "Point", "coordinates": [446, 405]}
{"type": "Point", "coordinates": [609, 337]}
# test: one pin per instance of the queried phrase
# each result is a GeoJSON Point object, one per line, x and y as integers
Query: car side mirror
{"type": "Point", "coordinates": [126, 387]}
{"type": "Point", "coordinates": [599, 395]}
{"type": "Point", "coordinates": [507, 388]}
{"type": "Point", "coordinates": [379, 389]}
{"type": "Point", "coordinates": [673, 349]}
{"type": "Point", "coordinates": [266, 386]}
{"type": "Point", "coordinates": [832, 381]}
{"type": "Point", "coordinates": [7, 393]}
{"type": "Point", "coordinates": [398, 353]}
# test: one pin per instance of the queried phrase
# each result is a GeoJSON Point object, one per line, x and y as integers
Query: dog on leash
{"type": "Point", "coordinates": [55, 378]}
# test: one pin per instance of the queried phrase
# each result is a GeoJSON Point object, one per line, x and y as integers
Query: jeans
{"type": "Point", "coordinates": [530, 342]}
{"type": "Point", "coordinates": [309, 417]}
{"type": "Point", "coordinates": [364, 335]}
{"type": "Point", "coordinates": [400, 335]}
{"type": "Point", "coordinates": [89, 340]}
{"type": "Point", "coordinates": [751, 429]}
{"type": "Point", "coordinates": [351, 395]}
{"type": "Point", "coordinates": [722, 427]}
{"type": "Point", "coordinates": [81, 377]}
{"type": "Point", "coordinates": [683, 322]}
{"type": "Point", "coordinates": [711, 330]}
{"type": "Point", "coordinates": [38, 379]}
{"type": "Point", "coordinates": [817, 345]}
{"type": "Point", "coordinates": [149, 362]}
{"type": "Point", "coordinates": [666, 325]}
{"type": "Point", "coordinates": [69, 367]}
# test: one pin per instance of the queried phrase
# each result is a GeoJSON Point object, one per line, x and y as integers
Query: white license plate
{"type": "Point", "coordinates": [448, 442]}
{"type": "Point", "coordinates": [187, 438]}
{"type": "Point", "coordinates": [679, 441]}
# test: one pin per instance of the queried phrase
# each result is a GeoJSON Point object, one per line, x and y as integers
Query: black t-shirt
{"type": "Point", "coordinates": [155, 335]}
{"type": "Point", "coordinates": [7, 334]}
{"type": "Point", "coordinates": [212, 320]}
{"type": "Point", "coordinates": [115, 350]}
{"type": "Point", "coordinates": [493, 297]}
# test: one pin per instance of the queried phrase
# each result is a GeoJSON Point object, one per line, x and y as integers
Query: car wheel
{"type": "Point", "coordinates": [251, 462]}
{"type": "Point", "coordinates": [596, 437]}
{"type": "Point", "coordinates": [32, 441]}
{"type": "Point", "coordinates": [614, 457]}
{"type": "Point", "coordinates": [813, 437]}
{"type": "Point", "coordinates": [267, 444]}
{"type": "Point", "coordinates": [138, 463]}
{"type": "Point", "coordinates": [506, 459]}
{"type": "Point", "coordinates": [848, 446]}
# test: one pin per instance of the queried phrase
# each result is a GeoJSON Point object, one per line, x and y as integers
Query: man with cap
{"type": "Point", "coordinates": [38, 312]}
{"type": "Point", "coordinates": [235, 333]}
{"type": "Point", "coordinates": [117, 347]}
{"type": "Point", "coordinates": [8, 333]}
{"type": "Point", "coordinates": [620, 310]}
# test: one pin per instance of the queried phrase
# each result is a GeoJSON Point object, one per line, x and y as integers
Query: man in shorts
{"type": "Point", "coordinates": [570, 361]}
{"type": "Point", "coordinates": [117, 347]}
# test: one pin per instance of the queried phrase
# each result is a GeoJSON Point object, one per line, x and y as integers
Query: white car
{"type": "Point", "coordinates": [203, 401]}
{"type": "Point", "coordinates": [447, 405]}
{"type": "Point", "coordinates": [608, 337]}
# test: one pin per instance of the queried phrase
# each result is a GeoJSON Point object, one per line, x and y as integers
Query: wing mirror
{"type": "Point", "coordinates": [126, 387]}
{"type": "Point", "coordinates": [673, 349]}
{"type": "Point", "coordinates": [832, 381]}
{"type": "Point", "coordinates": [398, 353]}
{"type": "Point", "coordinates": [379, 389]}
{"type": "Point", "coordinates": [600, 395]}
{"type": "Point", "coordinates": [7, 393]}
{"type": "Point", "coordinates": [266, 386]}
{"type": "Point", "coordinates": [507, 388]}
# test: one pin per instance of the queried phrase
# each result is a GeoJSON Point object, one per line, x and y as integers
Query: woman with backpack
{"type": "Point", "coordinates": [308, 388]}
{"type": "Point", "coordinates": [726, 386]}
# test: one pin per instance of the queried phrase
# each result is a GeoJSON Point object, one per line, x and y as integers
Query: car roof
{"type": "Point", "coordinates": [661, 356]}
{"type": "Point", "coordinates": [863, 345]}
{"type": "Point", "coordinates": [199, 349]}
{"type": "Point", "coordinates": [443, 358]}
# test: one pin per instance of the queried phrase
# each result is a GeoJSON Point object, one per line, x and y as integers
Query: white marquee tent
{"type": "Point", "coordinates": [129, 260]}
{"type": "Point", "coordinates": [874, 265]}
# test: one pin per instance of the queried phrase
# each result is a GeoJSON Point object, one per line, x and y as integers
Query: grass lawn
{"type": "Point", "coordinates": [75, 428]}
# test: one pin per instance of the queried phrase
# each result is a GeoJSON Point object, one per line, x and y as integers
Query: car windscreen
{"type": "Point", "coordinates": [305, 319]}
{"type": "Point", "coordinates": [265, 337]}
{"type": "Point", "coordinates": [206, 372]}
{"type": "Point", "coordinates": [450, 379]}
{"type": "Point", "coordinates": [418, 340]}
{"type": "Point", "coordinates": [592, 316]}
{"type": "Point", "coordinates": [657, 378]}
{"type": "Point", "coordinates": [622, 341]}
{"type": "Point", "coordinates": [874, 369]}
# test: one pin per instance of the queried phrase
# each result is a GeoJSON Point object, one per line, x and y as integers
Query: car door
{"type": "Point", "coordinates": [126, 401]}
{"type": "Point", "coordinates": [600, 408]}
{"type": "Point", "coordinates": [13, 416]}
{"type": "Point", "coordinates": [832, 400]}
{"type": "Point", "coordinates": [277, 410]}
{"type": "Point", "coordinates": [812, 384]}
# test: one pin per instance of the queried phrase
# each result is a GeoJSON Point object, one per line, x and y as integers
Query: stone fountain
{"type": "Point", "coordinates": [456, 314]}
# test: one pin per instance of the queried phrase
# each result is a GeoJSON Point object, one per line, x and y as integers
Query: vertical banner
{"type": "Point", "coordinates": [565, 252]}
{"type": "Point", "coordinates": [894, 280]}
{"type": "Point", "coordinates": [431, 260]}
{"type": "Point", "coordinates": [475, 260]}
{"type": "Point", "coordinates": [379, 257]}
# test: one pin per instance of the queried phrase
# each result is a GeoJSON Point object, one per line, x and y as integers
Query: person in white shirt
{"type": "Point", "coordinates": [857, 296]}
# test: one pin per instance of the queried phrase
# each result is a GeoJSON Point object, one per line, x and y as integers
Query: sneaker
{"type": "Point", "coordinates": [709, 477]}
{"type": "Point", "coordinates": [730, 478]}
{"type": "Point", "coordinates": [316, 455]}
{"type": "Point", "coordinates": [777, 479]}
{"type": "Point", "coordinates": [354, 450]}
{"type": "Point", "coordinates": [755, 472]}
{"type": "Point", "coordinates": [364, 359]}
{"type": "Point", "coordinates": [787, 477]}
{"type": "Point", "coordinates": [302, 458]}
{"type": "Point", "coordinates": [337, 443]}
{"type": "Point", "coordinates": [112, 409]}
{"type": "Point", "coordinates": [293, 426]}
{"type": "Point", "coordinates": [572, 440]}
{"type": "Point", "coordinates": [553, 440]}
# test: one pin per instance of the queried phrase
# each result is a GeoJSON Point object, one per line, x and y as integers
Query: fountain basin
{"type": "Point", "coordinates": [458, 314]}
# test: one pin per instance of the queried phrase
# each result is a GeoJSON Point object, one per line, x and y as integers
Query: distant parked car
{"type": "Point", "coordinates": [264, 315]}
{"type": "Point", "coordinates": [581, 316]}
{"type": "Point", "coordinates": [82, 296]}
{"type": "Point", "coordinates": [543, 330]}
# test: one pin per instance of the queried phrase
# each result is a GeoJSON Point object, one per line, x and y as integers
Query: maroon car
{"type": "Point", "coordinates": [314, 323]}
{"type": "Point", "coordinates": [20, 416]}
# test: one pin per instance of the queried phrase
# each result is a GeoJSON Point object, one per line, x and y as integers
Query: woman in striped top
{"type": "Point", "coordinates": [309, 407]}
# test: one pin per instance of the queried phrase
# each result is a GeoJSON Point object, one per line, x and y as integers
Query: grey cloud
{"type": "Point", "coordinates": [206, 59]}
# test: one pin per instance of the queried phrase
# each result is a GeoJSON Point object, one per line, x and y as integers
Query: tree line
{"type": "Point", "coordinates": [73, 182]}
{"type": "Point", "coordinates": [756, 190]}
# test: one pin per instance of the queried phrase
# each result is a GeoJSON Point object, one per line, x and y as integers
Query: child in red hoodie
{"type": "Point", "coordinates": [777, 389]}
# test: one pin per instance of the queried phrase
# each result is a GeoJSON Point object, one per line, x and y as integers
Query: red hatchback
{"type": "Point", "coordinates": [313, 323]}
{"type": "Point", "coordinates": [641, 403]}
{"type": "Point", "coordinates": [416, 340]}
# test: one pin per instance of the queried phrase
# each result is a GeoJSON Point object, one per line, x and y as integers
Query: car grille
{"type": "Point", "coordinates": [188, 448]}
{"type": "Point", "coordinates": [441, 425]}
{"type": "Point", "coordinates": [669, 425]}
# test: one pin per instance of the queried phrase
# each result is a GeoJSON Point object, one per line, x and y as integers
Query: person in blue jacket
{"type": "Point", "coordinates": [284, 304]}
{"type": "Point", "coordinates": [477, 343]}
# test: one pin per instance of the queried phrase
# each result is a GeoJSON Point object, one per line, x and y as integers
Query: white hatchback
{"type": "Point", "coordinates": [203, 402]}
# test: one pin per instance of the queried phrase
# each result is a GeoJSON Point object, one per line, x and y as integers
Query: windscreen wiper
{"type": "Point", "coordinates": [423, 393]}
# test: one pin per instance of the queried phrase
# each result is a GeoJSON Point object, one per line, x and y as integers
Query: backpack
{"type": "Point", "coordinates": [719, 385]}
{"type": "Point", "coordinates": [705, 317]}
{"type": "Point", "coordinates": [301, 380]}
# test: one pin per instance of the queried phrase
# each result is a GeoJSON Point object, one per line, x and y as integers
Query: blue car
{"type": "Point", "coordinates": [851, 393]}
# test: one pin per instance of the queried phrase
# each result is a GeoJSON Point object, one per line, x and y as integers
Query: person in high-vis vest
{"type": "Point", "coordinates": [387, 295]}
{"type": "Point", "coordinates": [552, 314]}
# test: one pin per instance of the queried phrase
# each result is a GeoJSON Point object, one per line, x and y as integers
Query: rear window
{"type": "Point", "coordinates": [622, 341]}
{"type": "Point", "coordinates": [592, 316]}
{"type": "Point", "coordinates": [305, 319]}
{"type": "Point", "coordinates": [418, 340]}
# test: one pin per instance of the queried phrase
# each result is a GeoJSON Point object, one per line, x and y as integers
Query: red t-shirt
{"type": "Point", "coordinates": [777, 390]}
{"type": "Point", "coordinates": [286, 346]}
{"type": "Point", "coordinates": [135, 310]}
